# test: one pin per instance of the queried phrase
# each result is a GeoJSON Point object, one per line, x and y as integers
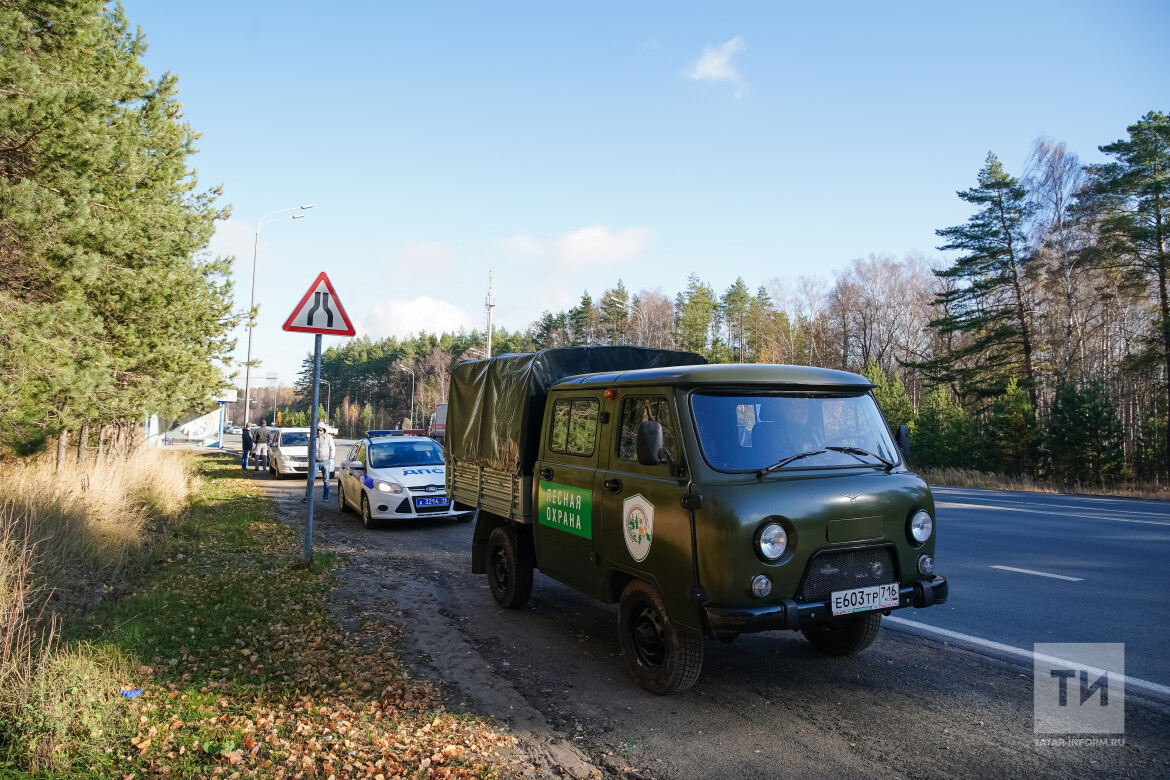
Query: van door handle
{"type": "Point", "coordinates": [546, 473]}
{"type": "Point", "coordinates": [612, 485]}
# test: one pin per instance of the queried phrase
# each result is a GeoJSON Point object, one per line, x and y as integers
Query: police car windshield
{"type": "Point", "coordinates": [294, 439]}
{"type": "Point", "coordinates": [753, 432]}
{"type": "Point", "coordinates": [391, 454]}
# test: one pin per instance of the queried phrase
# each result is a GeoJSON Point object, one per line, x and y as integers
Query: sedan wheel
{"type": "Point", "coordinates": [367, 519]}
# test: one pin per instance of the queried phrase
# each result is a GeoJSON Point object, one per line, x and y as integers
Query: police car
{"type": "Point", "coordinates": [388, 476]}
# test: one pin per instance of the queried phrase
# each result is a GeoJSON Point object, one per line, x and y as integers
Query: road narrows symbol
{"type": "Point", "coordinates": [320, 312]}
{"type": "Point", "coordinates": [321, 301]}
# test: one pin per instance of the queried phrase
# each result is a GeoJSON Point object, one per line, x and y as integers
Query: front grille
{"type": "Point", "coordinates": [833, 570]}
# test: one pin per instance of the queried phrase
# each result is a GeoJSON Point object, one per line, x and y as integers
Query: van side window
{"type": "Point", "coordinates": [637, 409]}
{"type": "Point", "coordinates": [574, 426]}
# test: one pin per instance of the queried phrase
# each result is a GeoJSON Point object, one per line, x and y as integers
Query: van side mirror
{"type": "Point", "coordinates": [650, 443]}
{"type": "Point", "coordinates": [651, 447]}
{"type": "Point", "coordinates": [904, 441]}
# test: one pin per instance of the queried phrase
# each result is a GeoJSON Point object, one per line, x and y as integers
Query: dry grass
{"type": "Point", "coordinates": [92, 521]}
{"type": "Point", "coordinates": [969, 478]}
{"type": "Point", "coordinates": [66, 534]}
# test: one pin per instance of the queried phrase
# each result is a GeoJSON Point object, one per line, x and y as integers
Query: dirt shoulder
{"type": "Point", "coordinates": [379, 583]}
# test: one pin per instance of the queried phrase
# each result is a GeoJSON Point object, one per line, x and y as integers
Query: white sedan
{"type": "Point", "coordinates": [395, 477]}
{"type": "Point", "coordinates": [289, 452]}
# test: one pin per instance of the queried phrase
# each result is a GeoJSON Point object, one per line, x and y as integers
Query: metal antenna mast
{"type": "Point", "coordinates": [489, 303]}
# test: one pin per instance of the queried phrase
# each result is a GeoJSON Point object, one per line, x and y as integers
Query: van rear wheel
{"type": "Point", "coordinates": [509, 578]}
{"type": "Point", "coordinates": [661, 657]}
{"type": "Point", "coordinates": [844, 636]}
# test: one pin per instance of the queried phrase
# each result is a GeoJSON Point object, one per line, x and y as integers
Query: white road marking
{"type": "Point", "coordinates": [953, 505]}
{"type": "Point", "coordinates": [922, 628]}
{"type": "Point", "coordinates": [1040, 573]}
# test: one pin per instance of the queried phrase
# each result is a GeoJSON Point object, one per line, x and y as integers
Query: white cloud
{"type": "Point", "coordinates": [404, 318]}
{"type": "Point", "coordinates": [421, 262]}
{"type": "Point", "coordinates": [585, 247]}
{"type": "Point", "coordinates": [715, 64]}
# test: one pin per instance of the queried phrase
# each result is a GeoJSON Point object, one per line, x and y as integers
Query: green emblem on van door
{"type": "Point", "coordinates": [566, 508]}
{"type": "Point", "coordinates": [638, 526]}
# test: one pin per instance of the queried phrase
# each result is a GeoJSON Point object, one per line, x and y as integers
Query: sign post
{"type": "Point", "coordinates": [318, 317]}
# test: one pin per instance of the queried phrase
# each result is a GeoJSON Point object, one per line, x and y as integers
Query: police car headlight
{"type": "Point", "coordinates": [771, 541]}
{"type": "Point", "coordinates": [921, 526]}
{"type": "Point", "coordinates": [388, 487]}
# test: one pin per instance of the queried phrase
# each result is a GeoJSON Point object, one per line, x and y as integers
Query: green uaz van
{"type": "Point", "coordinates": [705, 500]}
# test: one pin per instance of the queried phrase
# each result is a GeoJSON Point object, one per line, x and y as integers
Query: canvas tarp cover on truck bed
{"type": "Point", "coordinates": [496, 407]}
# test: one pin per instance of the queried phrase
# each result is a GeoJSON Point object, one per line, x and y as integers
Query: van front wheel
{"type": "Point", "coordinates": [509, 578]}
{"type": "Point", "coordinates": [661, 657]}
{"type": "Point", "coordinates": [844, 636]}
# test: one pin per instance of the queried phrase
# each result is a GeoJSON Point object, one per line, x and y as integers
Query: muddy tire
{"type": "Point", "coordinates": [509, 578]}
{"type": "Point", "coordinates": [661, 657]}
{"type": "Point", "coordinates": [844, 636]}
{"type": "Point", "coordinates": [342, 507]}
{"type": "Point", "coordinates": [367, 518]}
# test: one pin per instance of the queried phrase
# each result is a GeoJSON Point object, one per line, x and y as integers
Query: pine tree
{"type": "Point", "coordinates": [695, 314]}
{"type": "Point", "coordinates": [943, 433]}
{"type": "Point", "coordinates": [1013, 432]}
{"type": "Point", "coordinates": [110, 311]}
{"type": "Point", "coordinates": [1084, 438]}
{"type": "Point", "coordinates": [1135, 190]}
{"type": "Point", "coordinates": [734, 305]}
{"type": "Point", "coordinates": [891, 397]}
{"type": "Point", "coordinates": [989, 304]}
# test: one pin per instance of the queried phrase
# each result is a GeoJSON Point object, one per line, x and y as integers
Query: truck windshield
{"type": "Point", "coordinates": [391, 454]}
{"type": "Point", "coordinates": [754, 432]}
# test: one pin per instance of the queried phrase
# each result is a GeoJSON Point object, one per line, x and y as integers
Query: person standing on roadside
{"type": "Point", "coordinates": [325, 453]}
{"type": "Point", "coordinates": [260, 438]}
{"type": "Point", "coordinates": [246, 438]}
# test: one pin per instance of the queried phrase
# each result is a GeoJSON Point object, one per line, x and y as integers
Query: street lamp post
{"type": "Point", "coordinates": [631, 306]}
{"type": "Point", "coordinates": [328, 396]}
{"type": "Point", "coordinates": [264, 220]}
{"type": "Point", "coordinates": [404, 368]}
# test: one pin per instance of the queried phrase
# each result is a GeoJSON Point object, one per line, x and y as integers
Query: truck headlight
{"type": "Point", "coordinates": [921, 526]}
{"type": "Point", "coordinates": [388, 487]}
{"type": "Point", "coordinates": [771, 541]}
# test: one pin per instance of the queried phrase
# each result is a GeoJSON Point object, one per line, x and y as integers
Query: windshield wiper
{"type": "Point", "coordinates": [786, 461]}
{"type": "Point", "coordinates": [857, 451]}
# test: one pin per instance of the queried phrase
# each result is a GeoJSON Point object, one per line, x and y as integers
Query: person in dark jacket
{"type": "Point", "coordinates": [261, 438]}
{"type": "Point", "coordinates": [246, 437]}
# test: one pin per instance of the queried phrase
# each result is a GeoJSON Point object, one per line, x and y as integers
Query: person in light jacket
{"type": "Point", "coordinates": [325, 454]}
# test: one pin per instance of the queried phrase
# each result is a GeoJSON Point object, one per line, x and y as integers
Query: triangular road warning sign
{"type": "Point", "coordinates": [320, 312]}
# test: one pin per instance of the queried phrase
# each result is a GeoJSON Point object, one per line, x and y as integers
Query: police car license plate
{"type": "Point", "coordinates": [431, 501]}
{"type": "Point", "coordinates": [846, 602]}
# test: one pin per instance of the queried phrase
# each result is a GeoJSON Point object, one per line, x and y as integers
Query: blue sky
{"type": "Point", "coordinates": [568, 145]}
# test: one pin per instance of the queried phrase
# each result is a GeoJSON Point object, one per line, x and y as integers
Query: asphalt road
{"type": "Point", "coordinates": [912, 705]}
{"type": "Point", "coordinates": [1034, 567]}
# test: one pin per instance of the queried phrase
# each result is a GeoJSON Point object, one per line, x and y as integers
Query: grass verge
{"type": "Point", "coordinates": [969, 478]}
{"type": "Point", "coordinates": [231, 667]}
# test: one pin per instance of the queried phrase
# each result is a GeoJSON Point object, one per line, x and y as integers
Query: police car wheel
{"type": "Point", "coordinates": [661, 657]}
{"type": "Point", "coordinates": [509, 578]}
{"type": "Point", "coordinates": [342, 506]}
{"type": "Point", "coordinates": [844, 636]}
{"type": "Point", "coordinates": [367, 518]}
